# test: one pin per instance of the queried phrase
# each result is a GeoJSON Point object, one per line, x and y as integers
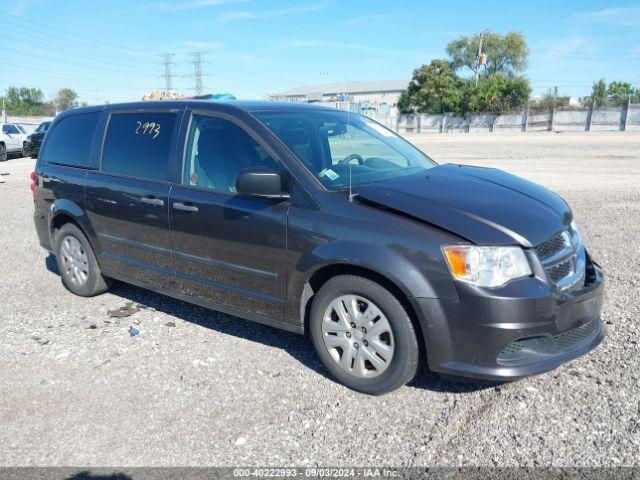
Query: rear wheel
{"type": "Point", "coordinates": [25, 150]}
{"type": "Point", "coordinates": [3, 152]}
{"type": "Point", "coordinates": [77, 263]}
{"type": "Point", "coordinates": [363, 335]}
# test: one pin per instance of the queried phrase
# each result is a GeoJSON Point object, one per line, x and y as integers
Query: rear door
{"type": "Point", "coordinates": [228, 249]}
{"type": "Point", "coordinates": [128, 200]}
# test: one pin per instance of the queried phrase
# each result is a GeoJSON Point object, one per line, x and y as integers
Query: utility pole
{"type": "Point", "coordinates": [168, 77]}
{"type": "Point", "coordinates": [197, 70]}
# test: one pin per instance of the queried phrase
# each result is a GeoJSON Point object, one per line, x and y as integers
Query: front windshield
{"type": "Point", "coordinates": [335, 144]}
{"type": "Point", "coordinates": [43, 127]}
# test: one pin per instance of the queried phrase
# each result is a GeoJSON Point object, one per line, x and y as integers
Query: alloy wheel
{"type": "Point", "coordinates": [75, 262]}
{"type": "Point", "coordinates": [358, 336]}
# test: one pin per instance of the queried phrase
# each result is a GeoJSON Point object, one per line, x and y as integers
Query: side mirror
{"type": "Point", "coordinates": [260, 182]}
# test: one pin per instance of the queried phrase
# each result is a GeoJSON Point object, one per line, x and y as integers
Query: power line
{"type": "Point", "coordinates": [52, 47]}
{"type": "Point", "coordinates": [84, 37]}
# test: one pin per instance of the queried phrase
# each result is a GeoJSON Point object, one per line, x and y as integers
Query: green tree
{"type": "Point", "coordinates": [620, 92]}
{"type": "Point", "coordinates": [599, 92]}
{"type": "Point", "coordinates": [433, 89]}
{"type": "Point", "coordinates": [24, 101]}
{"type": "Point", "coordinates": [499, 93]}
{"type": "Point", "coordinates": [66, 99]}
{"type": "Point", "coordinates": [506, 54]}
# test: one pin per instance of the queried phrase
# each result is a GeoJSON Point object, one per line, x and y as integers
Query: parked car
{"type": "Point", "coordinates": [322, 222]}
{"type": "Point", "coordinates": [13, 139]}
{"type": "Point", "coordinates": [34, 140]}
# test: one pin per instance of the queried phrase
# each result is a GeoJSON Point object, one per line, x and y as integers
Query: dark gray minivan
{"type": "Point", "coordinates": [323, 222]}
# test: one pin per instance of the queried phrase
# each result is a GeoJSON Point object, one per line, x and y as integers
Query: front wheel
{"type": "Point", "coordinates": [363, 335]}
{"type": "Point", "coordinates": [77, 263]}
{"type": "Point", "coordinates": [3, 152]}
{"type": "Point", "coordinates": [25, 150]}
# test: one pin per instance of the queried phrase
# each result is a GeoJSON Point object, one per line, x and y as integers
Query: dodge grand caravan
{"type": "Point", "coordinates": [322, 222]}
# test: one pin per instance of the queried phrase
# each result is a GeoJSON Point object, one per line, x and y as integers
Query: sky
{"type": "Point", "coordinates": [112, 51]}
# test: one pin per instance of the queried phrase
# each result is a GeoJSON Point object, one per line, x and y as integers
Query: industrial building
{"type": "Point", "coordinates": [377, 98]}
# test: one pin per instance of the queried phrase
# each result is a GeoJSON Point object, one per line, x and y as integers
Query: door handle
{"type": "Point", "coordinates": [185, 207]}
{"type": "Point", "coordinates": [153, 201]}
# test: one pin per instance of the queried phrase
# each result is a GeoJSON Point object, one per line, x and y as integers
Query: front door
{"type": "Point", "coordinates": [128, 200]}
{"type": "Point", "coordinates": [13, 140]}
{"type": "Point", "coordinates": [228, 249]}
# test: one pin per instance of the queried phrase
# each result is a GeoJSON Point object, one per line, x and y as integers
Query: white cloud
{"type": "Point", "coordinates": [363, 19]}
{"type": "Point", "coordinates": [266, 14]}
{"type": "Point", "coordinates": [617, 16]}
{"type": "Point", "coordinates": [193, 4]}
{"type": "Point", "coordinates": [202, 45]}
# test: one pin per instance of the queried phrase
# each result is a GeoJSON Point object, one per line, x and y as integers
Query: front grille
{"type": "Point", "coordinates": [552, 246]}
{"type": "Point", "coordinates": [563, 259]}
{"type": "Point", "coordinates": [528, 349]}
{"type": "Point", "coordinates": [566, 340]}
{"type": "Point", "coordinates": [560, 270]}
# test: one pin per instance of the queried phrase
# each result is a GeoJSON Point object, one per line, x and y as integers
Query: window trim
{"type": "Point", "coordinates": [174, 138]}
{"type": "Point", "coordinates": [53, 125]}
{"type": "Point", "coordinates": [243, 126]}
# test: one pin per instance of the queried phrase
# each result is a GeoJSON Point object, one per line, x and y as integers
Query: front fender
{"type": "Point", "coordinates": [385, 261]}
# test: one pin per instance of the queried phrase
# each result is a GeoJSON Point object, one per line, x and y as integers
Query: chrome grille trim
{"type": "Point", "coordinates": [564, 259]}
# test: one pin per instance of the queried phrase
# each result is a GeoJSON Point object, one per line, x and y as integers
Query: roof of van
{"type": "Point", "coordinates": [247, 105]}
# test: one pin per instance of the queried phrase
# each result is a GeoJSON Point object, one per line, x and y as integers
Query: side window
{"type": "Point", "coordinates": [217, 150]}
{"type": "Point", "coordinates": [69, 143]}
{"type": "Point", "coordinates": [12, 129]}
{"type": "Point", "coordinates": [139, 144]}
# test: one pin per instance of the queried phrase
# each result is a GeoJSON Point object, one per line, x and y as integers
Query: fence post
{"type": "Point", "coordinates": [525, 117]}
{"type": "Point", "coordinates": [419, 123]}
{"type": "Point", "coordinates": [552, 113]}
{"type": "Point", "coordinates": [625, 115]}
{"type": "Point", "coordinates": [590, 115]}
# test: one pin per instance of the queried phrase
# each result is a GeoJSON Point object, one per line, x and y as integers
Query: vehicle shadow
{"type": "Point", "coordinates": [87, 475]}
{"type": "Point", "coordinates": [299, 347]}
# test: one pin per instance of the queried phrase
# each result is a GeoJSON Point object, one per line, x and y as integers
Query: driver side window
{"type": "Point", "coordinates": [358, 143]}
{"type": "Point", "coordinates": [217, 150]}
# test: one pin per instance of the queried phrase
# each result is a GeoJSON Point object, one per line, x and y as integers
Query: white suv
{"type": "Point", "coordinates": [13, 139]}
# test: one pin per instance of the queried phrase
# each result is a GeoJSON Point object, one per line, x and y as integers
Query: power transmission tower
{"type": "Point", "coordinates": [197, 70]}
{"type": "Point", "coordinates": [168, 77]}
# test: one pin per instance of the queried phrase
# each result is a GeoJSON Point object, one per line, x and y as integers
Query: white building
{"type": "Point", "coordinates": [371, 98]}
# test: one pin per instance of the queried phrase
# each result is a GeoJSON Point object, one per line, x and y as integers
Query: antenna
{"type": "Point", "coordinates": [346, 77]}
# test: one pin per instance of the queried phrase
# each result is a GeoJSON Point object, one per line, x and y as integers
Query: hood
{"type": "Point", "coordinates": [484, 205]}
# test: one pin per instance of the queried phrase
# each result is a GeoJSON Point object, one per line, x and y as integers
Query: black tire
{"type": "Point", "coordinates": [33, 155]}
{"type": "Point", "coordinates": [405, 360]}
{"type": "Point", "coordinates": [25, 151]}
{"type": "Point", "coordinates": [95, 283]}
{"type": "Point", "coordinates": [3, 153]}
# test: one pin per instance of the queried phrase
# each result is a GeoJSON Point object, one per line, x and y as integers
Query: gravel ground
{"type": "Point", "coordinates": [201, 388]}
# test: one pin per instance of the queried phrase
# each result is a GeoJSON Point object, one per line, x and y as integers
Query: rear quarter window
{"type": "Point", "coordinates": [139, 144]}
{"type": "Point", "coordinates": [69, 142]}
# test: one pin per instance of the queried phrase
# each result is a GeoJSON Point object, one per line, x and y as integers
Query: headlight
{"type": "Point", "coordinates": [486, 266]}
